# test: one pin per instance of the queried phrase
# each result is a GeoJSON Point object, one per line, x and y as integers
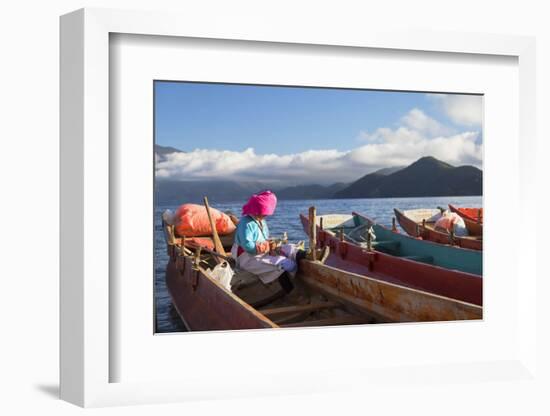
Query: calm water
{"type": "Point", "coordinates": [286, 218]}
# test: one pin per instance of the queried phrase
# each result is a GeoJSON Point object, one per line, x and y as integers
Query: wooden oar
{"type": "Point", "coordinates": [217, 243]}
{"type": "Point", "coordinates": [313, 233]}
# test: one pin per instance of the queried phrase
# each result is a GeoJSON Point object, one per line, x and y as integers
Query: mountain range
{"type": "Point", "coordinates": [427, 176]}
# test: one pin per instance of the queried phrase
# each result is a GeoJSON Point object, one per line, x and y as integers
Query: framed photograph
{"type": "Point", "coordinates": [239, 207]}
{"type": "Point", "coordinates": [306, 210]}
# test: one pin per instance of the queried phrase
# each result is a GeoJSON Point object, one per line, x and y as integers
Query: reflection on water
{"type": "Point", "coordinates": [286, 219]}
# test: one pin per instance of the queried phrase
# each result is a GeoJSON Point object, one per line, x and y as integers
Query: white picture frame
{"type": "Point", "coordinates": [86, 355]}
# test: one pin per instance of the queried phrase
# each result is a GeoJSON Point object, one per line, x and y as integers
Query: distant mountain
{"type": "Point", "coordinates": [425, 177]}
{"type": "Point", "coordinates": [310, 191]}
{"type": "Point", "coordinates": [388, 171]}
{"type": "Point", "coordinates": [162, 151]}
{"type": "Point", "coordinates": [172, 192]}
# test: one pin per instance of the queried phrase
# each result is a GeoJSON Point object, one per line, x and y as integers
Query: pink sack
{"type": "Point", "coordinates": [450, 221]}
{"type": "Point", "coordinates": [192, 221]}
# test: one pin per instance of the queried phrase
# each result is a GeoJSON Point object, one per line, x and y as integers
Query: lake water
{"type": "Point", "coordinates": [286, 218]}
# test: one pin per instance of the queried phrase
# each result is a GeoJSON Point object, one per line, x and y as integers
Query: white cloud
{"type": "Point", "coordinates": [466, 110]}
{"type": "Point", "coordinates": [417, 135]}
{"type": "Point", "coordinates": [420, 122]}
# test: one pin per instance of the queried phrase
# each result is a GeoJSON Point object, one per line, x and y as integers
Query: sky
{"type": "Point", "coordinates": [308, 135]}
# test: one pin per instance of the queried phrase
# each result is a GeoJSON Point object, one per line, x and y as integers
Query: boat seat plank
{"type": "Point", "coordinates": [299, 308]}
{"type": "Point", "coordinates": [338, 320]}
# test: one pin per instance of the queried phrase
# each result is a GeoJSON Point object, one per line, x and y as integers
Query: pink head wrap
{"type": "Point", "coordinates": [263, 203]}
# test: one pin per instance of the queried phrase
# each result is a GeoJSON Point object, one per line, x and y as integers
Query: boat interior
{"type": "Point", "coordinates": [303, 306]}
{"type": "Point", "coordinates": [356, 231]}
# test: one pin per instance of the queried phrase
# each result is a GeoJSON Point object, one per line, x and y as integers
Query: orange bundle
{"type": "Point", "coordinates": [192, 221]}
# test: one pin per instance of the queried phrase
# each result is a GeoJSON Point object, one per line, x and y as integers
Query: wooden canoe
{"type": "Point", "coordinates": [323, 296]}
{"type": "Point", "coordinates": [411, 269]}
{"type": "Point", "coordinates": [421, 224]}
{"type": "Point", "coordinates": [472, 214]}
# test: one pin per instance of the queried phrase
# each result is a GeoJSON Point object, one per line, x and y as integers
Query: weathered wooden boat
{"type": "Point", "coordinates": [399, 259]}
{"type": "Point", "coordinates": [420, 223]}
{"type": "Point", "coordinates": [323, 295]}
{"type": "Point", "coordinates": [472, 214]}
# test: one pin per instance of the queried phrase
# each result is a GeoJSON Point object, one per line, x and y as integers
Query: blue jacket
{"type": "Point", "coordinates": [249, 233]}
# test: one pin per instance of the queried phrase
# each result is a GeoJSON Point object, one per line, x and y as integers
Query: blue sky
{"type": "Point", "coordinates": [308, 128]}
{"type": "Point", "coordinates": [277, 119]}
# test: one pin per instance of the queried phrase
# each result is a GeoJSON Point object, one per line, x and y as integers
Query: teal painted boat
{"type": "Point", "coordinates": [401, 245]}
{"type": "Point", "coordinates": [396, 258]}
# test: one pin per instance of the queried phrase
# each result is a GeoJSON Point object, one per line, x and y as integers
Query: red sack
{"type": "Point", "coordinates": [192, 221]}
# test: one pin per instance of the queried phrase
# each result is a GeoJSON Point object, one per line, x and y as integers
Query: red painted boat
{"type": "Point", "coordinates": [421, 224]}
{"type": "Point", "coordinates": [376, 264]}
{"type": "Point", "coordinates": [472, 214]}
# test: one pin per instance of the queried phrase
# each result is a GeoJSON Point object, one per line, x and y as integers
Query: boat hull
{"type": "Point", "coordinates": [415, 229]}
{"type": "Point", "coordinates": [204, 305]}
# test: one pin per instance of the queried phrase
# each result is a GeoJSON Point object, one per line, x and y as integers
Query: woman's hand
{"type": "Point", "coordinates": [263, 247]}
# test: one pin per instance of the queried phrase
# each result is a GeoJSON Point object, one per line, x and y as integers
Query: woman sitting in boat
{"type": "Point", "coordinates": [255, 252]}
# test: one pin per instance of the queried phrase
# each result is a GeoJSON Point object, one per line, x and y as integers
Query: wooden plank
{"type": "Point", "coordinates": [299, 308]}
{"type": "Point", "coordinates": [337, 320]}
{"type": "Point", "coordinates": [313, 233]}
{"type": "Point", "coordinates": [217, 243]}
